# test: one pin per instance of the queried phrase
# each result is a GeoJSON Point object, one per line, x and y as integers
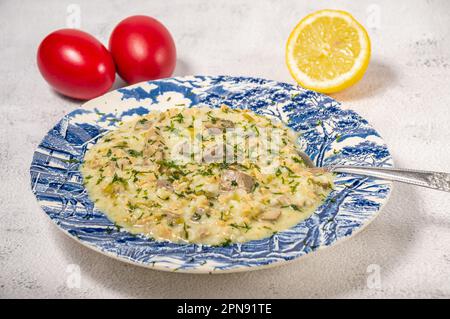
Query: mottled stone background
{"type": "Point", "coordinates": [405, 252]}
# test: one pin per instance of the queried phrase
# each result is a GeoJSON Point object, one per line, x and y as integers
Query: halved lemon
{"type": "Point", "coordinates": [328, 51]}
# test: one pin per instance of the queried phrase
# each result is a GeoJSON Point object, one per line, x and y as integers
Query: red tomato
{"type": "Point", "coordinates": [142, 49]}
{"type": "Point", "coordinates": [76, 64]}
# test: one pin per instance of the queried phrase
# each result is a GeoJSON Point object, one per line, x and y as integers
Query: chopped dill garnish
{"type": "Point", "coordinates": [117, 179]}
{"type": "Point", "coordinates": [293, 206]}
{"type": "Point", "coordinates": [131, 207]}
{"type": "Point", "coordinates": [71, 161]}
{"type": "Point", "coordinates": [134, 153]}
{"type": "Point", "coordinates": [227, 242]}
{"type": "Point", "coordinates": [99, 180]}
{"type": "Point", "coordinates": [244, 226]}
{"type": "Point", "coordinates": [185, 230]}
{"type": "Point", "coordinates": [278, 172]}
{"type": "Point", "coordinates": [178, 118]}
{"type": "Point", "coordinates": [170, 128]}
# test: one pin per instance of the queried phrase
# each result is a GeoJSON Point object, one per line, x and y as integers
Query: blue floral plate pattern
{"type": "Point", "coordinates": [329, 135]}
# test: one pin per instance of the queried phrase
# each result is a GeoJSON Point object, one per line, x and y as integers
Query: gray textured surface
{"type": "Point", "coordinates": [405, 95]}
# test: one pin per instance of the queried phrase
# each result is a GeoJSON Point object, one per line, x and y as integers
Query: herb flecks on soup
{"type": "Point", "coordinates": [202, 175]}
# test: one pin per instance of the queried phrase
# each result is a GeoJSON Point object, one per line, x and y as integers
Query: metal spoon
{"type": "Point", "coordinates": [435, 180]}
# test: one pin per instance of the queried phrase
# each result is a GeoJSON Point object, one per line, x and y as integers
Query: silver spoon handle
{"type": "Point", "coordinates": [435, 180]}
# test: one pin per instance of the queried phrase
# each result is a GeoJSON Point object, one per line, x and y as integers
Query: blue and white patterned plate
{"type": "Point", "coordinates": [330, 135]}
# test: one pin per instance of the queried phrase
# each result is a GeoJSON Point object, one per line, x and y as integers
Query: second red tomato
{"type": "Point", "coordinates": [142, 49]}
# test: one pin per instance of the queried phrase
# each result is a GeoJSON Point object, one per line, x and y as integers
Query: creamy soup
{"type": "Point", "coordinates": [203, 175]}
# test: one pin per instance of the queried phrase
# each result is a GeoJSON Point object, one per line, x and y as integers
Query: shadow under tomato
{"type": "Point", "coordinates": [118, 83]}
{"type": "Point", "coordinates": [182, 68]}
{"type": "Point", "coordinates": [328, 273]}
{"type": "Point", "coordinates": [68, 99]}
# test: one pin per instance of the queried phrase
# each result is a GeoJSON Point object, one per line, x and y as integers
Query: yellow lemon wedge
{"type": "Point", "coordinates": [328, 51]}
